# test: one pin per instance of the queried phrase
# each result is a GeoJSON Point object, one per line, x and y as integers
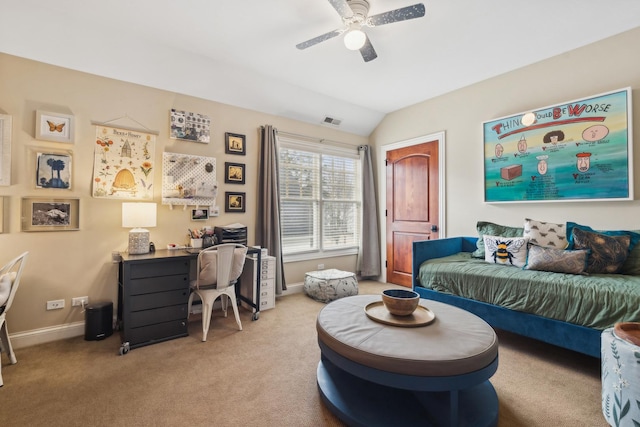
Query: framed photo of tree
{"type": "Point", "coordinates": [53, 169]}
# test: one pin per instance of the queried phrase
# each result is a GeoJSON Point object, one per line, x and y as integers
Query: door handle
{"type": "Point", "coordinates": [434, 228]}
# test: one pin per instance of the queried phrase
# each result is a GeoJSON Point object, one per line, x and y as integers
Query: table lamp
{"type": "Point", "coordinates": [137, 216]}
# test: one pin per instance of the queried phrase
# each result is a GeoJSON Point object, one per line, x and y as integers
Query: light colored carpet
{"type": "Point", "coordinates": [264, 375]}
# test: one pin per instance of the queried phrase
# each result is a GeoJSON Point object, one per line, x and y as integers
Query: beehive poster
{"type": "Point", "coordinates": [123, 164]}
{"type": "Point", "coordinates": [576, 151]}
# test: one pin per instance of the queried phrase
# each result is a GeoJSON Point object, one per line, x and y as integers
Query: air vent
{"type": "Point", "coordinates": [331, 121]}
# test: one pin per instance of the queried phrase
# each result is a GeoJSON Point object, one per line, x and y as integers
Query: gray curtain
{"type": "Point", "coordinates": [369, 254]}
{"type": "Point", "coordinates": [268, 230]}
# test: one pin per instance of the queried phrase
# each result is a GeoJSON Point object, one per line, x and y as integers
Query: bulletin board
{"type": "Point", "coordinates": [188, 180]}
{"type": "Point", "coordinates": [575, 151]}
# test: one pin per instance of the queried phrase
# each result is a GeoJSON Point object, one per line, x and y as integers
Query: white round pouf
{"type": "Point", "coordinates": [329, 285]}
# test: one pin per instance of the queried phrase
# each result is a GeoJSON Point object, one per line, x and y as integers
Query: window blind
{"type": "Point", "coordinates": [320, 199]}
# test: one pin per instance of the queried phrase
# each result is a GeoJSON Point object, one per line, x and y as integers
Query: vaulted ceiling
{"type": "Point", "coordinates": [243, 52]}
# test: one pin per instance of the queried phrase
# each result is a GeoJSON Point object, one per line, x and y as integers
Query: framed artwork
{"type": "Point", "coordinates": [2, 214]}
{"type": "Point", "coordinates": [234, 144]}
{"type": "Point", "coordinates": [199, 214]}
{"type": "Point", "coordinates": [5, 149]}
{"type": "Point", "coordinates": [234, 202]}
{"type": "Point", "coordinates": [189, 126]}
{"type": "Point", "coordinates": [234, 173]}
{"type": "Point", "coordinates": [50, 214]}
{"type": "Point", "coordinates": [55, 127]}
{"type": "Point", "coordinates": [575, 151]}
{"type": "Point", "coordinates": [123, 164]}
{"type": "Point", "coordinates": [53, 169]}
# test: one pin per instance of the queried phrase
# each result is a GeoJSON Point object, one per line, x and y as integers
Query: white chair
{"type": "Point", "coordinates": [218, 270]}
{"type": "Point", "coordinates": [9, 282]}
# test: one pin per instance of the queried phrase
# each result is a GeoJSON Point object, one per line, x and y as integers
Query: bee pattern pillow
{"type": "Point", "coordinates": [510, 251]}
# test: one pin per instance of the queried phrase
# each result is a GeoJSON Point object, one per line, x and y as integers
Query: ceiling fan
{"type": "Point", "coordinates": [354, 14]}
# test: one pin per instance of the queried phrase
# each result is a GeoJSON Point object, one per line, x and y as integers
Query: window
{"type": "Point", "coordinates": [320, 198]}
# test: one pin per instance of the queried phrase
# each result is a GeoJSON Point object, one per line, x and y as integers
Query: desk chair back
{"type": "Point", "coordinates": [218, 270]}
{"type": "Point", "coordinates": [220, 266]}
{"type": "Point", "coordinates": [10, 276]}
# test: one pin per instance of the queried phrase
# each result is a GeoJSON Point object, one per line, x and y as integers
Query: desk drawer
{"type": "Point", "coordinates": [158, 332]}
{"type": "Point", "coordinates": [158, 284]}
{"type": "Point", "coordinates": [159, 299]}
{"type": "Point", "coordinates": [162, 267]}
{"type": "Point", "coordinates": [158, 315]}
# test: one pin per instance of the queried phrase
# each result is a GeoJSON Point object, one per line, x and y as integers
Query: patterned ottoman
{"type": "Point", "coordinates": [620, 373]}
{"type": "Point", "coordinates": [329, 285]}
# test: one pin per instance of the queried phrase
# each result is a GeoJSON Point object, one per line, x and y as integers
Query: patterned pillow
{"type": "Point", "coordinates": [492, 229]}
{"type": "Point", "coordinates": [556, 260]}
{"type": "Point", "coordinates": [635, 235]}
{"type": "Point", "coordinates": [632, 265]}
{"type": "Point", "coordinates": [608, 253]}
{"type": "Point", "coordinates": [546, 234]}
{"type": "Point", "coordinates": [505, 250]}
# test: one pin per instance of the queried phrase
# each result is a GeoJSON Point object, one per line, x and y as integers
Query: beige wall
{"type": "Point", "coordinates": [68, 264]}
{"type": "Point", "coordinates": [608, 65]}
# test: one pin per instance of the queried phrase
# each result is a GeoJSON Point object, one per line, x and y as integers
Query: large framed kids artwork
{"type": "Point", "coordinates": [575, 151]}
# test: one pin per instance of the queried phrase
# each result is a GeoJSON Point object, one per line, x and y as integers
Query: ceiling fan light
{"type": "Point", "coordinates": [354, 39]}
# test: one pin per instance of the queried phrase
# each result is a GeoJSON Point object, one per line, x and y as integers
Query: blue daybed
{"type": "Point", "coordinates": [442, 268]}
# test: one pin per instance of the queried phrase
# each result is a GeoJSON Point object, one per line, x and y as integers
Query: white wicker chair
{"type": "Point", "coordinates": [9, 281]}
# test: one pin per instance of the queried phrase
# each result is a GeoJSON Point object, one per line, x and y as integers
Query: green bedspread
{"type": "Point", "coordinates": [596, 301]}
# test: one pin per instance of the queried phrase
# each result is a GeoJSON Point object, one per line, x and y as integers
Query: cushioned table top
{"type": "Point", "coordinates": [456, 343]}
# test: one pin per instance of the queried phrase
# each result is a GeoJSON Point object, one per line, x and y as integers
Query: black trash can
{"type": "Point", "coordinates": [98, 322]}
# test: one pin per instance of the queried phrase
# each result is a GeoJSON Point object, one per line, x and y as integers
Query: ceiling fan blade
{"type": "Point", "coordinates": [402, 14]}
{"type": "Point", "coordinates": [342, 8]}
{"type": "Point", "coordinates": [316, 40]}
{"type": "Point", "coordinates": [367, 51]}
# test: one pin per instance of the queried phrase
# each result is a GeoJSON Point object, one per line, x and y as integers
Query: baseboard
{"type": "Point", "coordinates": [76, 329]}
{"type": "Point", "coordinates": [294, 288]}
{"type": "Point", "coordinates": [44, 335]}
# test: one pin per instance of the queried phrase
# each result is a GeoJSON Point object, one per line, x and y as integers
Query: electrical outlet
{"type": "Point", "coordinates": [78, 301]}
{"type": "Point", "coordinates": [320, 266]}
{"type": "Point", "coordinates": [55, 305]}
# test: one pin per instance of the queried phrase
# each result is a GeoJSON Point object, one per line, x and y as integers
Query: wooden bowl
{"type": "Point", "coordinates": [400, 302]}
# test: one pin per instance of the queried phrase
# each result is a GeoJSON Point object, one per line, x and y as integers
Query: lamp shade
{"type": "Point", "coordinates": [354, 39]}
{"type": "Point", "coordinates": [136, 215]}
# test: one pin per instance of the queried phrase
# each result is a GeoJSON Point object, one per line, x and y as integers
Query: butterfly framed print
{"type": "Point", "coordinates": [55, 127]}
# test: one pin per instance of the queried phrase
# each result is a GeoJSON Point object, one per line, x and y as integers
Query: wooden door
{"type": "Point", "coordinates": [412, 205]}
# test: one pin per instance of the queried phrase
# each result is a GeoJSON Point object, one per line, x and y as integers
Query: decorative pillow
{"type": "Point", "coordinates": [632, 265]}
{"type": "Point", "coordinates": [5, 287]}
{"type": "Point", "coordinates": [608, 253]}
{"type": "Point", "coordinates": [546, 234]}
{"type": "Point", "coordinates": [209, 264]}
{"type": "Point", "coordinates": [505, 250]}
{"type": "Point", "coordinates": [635, 236]}
{"type": "Point", "coordinates": [556, 260]}
{"type": "Point", "coordinates": [492, 229]}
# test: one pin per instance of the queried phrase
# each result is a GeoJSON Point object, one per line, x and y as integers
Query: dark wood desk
{"type": "Point", "coordinates": [153, 294]}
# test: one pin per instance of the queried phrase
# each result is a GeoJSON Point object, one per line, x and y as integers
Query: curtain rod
{"type": "Point", "coordinates": [319, 140]}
